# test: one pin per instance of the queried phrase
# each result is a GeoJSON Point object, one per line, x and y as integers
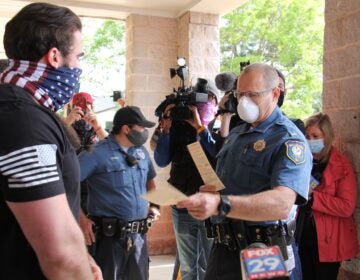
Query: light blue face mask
{"type": "Point", "coordinates": [316, 145]}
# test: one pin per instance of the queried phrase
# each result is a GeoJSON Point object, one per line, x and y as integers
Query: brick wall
{"type": "Point", "coordinates": [341, 98]}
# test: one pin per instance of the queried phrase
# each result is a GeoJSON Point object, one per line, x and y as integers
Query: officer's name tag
{"type": "Point", "coordinates": [262, 263]}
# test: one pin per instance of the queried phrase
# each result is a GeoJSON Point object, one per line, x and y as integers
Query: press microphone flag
{"type": "Point", "coordinates": [261, 262]}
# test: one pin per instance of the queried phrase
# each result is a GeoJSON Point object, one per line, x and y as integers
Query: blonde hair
{"type": "Point", "coordinates": [323, 122]}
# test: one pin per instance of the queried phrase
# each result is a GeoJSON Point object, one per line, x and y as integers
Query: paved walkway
{"type": "Point", "coordinates": [161, 267]}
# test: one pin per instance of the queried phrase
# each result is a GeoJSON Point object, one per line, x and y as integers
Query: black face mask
{"type": "Point", "coordinates": [138, 138]}
{"type": "Point", "coordinates": [281, 98]}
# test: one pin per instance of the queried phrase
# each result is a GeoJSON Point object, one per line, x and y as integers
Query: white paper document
{"type": "Point", "coordinates": [168, 195]}
{"type": "Point", "coordinates": [203, 165]}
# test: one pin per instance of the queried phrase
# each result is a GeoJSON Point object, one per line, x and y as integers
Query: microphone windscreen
{"type": "Point", "coordinates": [226, 81]}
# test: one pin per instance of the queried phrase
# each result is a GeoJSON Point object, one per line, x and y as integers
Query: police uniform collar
{"type": "Point", "coordinates": [114, 145]}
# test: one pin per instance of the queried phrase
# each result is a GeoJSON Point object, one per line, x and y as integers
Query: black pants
{"type": "Point", "coordinates": [118, 261]}
{"type": "Point", "coordinates": [223, 264]}
{"type": "Point", "coordinates": [313, 269]}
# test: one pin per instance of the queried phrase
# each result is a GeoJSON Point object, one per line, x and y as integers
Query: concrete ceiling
{"type": "Point", "coordinates": [120, 9]}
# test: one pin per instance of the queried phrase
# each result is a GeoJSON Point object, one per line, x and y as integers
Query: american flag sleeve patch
{"type": "Point", "coordinates": [30, 166]}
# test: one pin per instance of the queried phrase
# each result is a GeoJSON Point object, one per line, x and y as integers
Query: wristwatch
{"type": "Point", "coordinates": [223, 208]}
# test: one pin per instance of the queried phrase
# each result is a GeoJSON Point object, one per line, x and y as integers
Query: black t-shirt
{"type": "Point", "coordinates": [37, 161]}
{"type": "Point", "coordinates": [183, 173]}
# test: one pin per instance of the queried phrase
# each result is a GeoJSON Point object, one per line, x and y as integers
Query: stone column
{"type": "Point", "coordinates": [341, 98]}
{"type": "Point", "coordinates": [3, 22]}
{"type": "Point", "coordinates": [151, 49]}
{"type": "Point", "coordinates": [199, 43]}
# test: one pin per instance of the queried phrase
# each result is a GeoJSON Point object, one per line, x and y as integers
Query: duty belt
{"type": "Point", "coordinates": [237, 235]}
{"type": "Point", "coordinates": [113, 227]}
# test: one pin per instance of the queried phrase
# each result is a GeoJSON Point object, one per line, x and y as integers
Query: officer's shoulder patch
{"type": "Point", "coordinates": [295, 151]}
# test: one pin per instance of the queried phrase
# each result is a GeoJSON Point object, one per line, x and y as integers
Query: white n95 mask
{"type": "Point", "coordinates": [248, 110]}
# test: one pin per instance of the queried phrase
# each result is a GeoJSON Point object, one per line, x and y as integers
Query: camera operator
{"type": "Point", "coordinates": [171, 147]}
{"type": "Point", "coordinates": [207, 110]}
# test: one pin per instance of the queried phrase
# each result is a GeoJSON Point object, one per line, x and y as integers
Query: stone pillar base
{"type": "Point", "coordinates": [161, 239]}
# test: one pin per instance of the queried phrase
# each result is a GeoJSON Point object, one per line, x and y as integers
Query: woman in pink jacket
{"type": "Point", "coordinates": [326, 230]}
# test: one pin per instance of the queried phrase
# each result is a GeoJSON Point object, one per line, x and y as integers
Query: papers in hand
{"type": "Point", "coordinates": [167, 195]}
{"type": "Point", "coordinates": [207, 173]}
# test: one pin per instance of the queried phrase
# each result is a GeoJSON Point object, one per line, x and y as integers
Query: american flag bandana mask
{"type": "Point", "coordinates": [51, 87]}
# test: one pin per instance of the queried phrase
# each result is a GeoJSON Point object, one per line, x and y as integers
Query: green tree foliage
{"type": "Point", "coordinates": [103, 63]}
{"type": "Point", "coordinates": [285, 34]}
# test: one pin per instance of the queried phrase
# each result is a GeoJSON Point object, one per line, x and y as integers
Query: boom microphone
{"type": "Point", "coordinates": [226, 81]}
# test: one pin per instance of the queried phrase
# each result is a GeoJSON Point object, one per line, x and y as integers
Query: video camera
{"type": "Point", "coordinates": [227, 82]}
{"type": "Point", "coordinates": [183, 96]}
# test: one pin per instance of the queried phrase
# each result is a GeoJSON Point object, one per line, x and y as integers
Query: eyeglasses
{"type": "Point", "coordinates": [251, 94]}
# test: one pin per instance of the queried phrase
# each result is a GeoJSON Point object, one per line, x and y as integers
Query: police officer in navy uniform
{"type": "Point", "coordinates": [265, 165]}
{"type": "Point", "coordinates": [119, 170]}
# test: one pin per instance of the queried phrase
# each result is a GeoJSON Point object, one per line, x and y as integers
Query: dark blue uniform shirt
{"type": "Point", "coordinates": [275, 153]}
{"type": "Point", "coordinates": [115, 188]}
